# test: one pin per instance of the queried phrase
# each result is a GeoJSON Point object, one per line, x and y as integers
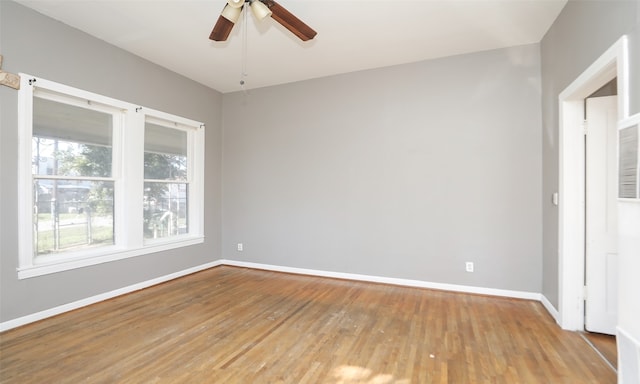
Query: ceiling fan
{"type": "Point", "coordinates": [261, 9]}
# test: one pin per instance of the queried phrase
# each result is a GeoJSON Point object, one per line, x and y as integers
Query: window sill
{"type": "Point", "coordinates": [49, 267]}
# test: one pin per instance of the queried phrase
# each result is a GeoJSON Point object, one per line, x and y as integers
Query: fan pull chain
{"type": "Point", "coordinates": [243, 66]}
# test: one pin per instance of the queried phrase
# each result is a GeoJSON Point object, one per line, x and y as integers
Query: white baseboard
{"type": "Point", "coordinates": [301, 271]}
{"type": "Point", "coordinates": [101, 297]}
{"type": "Point", "coordinates": [388, 280]}
{"type": "Point", "coordinates": [628, 358]}
{"type": "Point", "coordinates": [550, 308]}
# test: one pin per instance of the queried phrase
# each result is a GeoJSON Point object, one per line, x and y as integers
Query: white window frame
{"type": "Point", "coordinates": [128, 151]}
{"type": "Point", "coordinates": [195, 167]}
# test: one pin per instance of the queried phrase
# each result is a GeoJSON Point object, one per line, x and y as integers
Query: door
{"type": "Point", "coordinates": [601, 224]}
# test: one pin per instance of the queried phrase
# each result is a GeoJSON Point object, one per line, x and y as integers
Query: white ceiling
{"type": "Point", "coordinates": [352, 35]}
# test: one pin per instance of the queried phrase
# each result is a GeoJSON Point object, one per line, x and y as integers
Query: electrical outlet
{"type": "Point", "coordinates": [469, 266]}
{"type": "Point", "coordinates": [240, 247]}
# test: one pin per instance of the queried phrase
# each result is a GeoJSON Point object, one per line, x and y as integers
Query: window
{"type": "Point", "coordinates": [73, 186]}
{"type": "Point", "coordinates": [102, 179]}
{"type": "Point", "coordinates": [165, 181]}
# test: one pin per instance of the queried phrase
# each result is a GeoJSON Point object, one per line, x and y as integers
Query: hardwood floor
{"type": "Point", "coordinates": [606, 345]}
{"type": "Point", "coordinates": [235, 325]}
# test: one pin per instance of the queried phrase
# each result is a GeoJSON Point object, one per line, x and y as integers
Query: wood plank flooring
{"type": "Point", "coordinates": [606, 345]}
{"type": "Point", "coordinates": [236, 325]}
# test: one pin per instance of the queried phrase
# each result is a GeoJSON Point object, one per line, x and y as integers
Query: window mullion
{"type": "Point", "coordinates": [129, 162]}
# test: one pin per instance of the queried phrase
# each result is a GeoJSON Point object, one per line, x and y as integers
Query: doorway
{"type": "Point", "coordinates": [571, 215]}
{"type": "Point", "coordinates": [601, 222]}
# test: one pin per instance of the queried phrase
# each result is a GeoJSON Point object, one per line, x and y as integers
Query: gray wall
{"type": "Point", "coordinates": [582, 32]}
{"type": "Point", "coordinates": [40, 46]}
{"type": "Point", "coordinates": [405, 172]}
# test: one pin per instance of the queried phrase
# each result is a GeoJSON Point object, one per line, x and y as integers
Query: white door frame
{"type": "Point", "coordinates": [571, 216]}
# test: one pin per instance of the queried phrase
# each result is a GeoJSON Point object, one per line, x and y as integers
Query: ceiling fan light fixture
{"type": "Point", "coordinates": [260, 10]}
{"type": "Point", "coordinates": [231, 13]}
{"type": "Point", "coordinates": [235, 3]}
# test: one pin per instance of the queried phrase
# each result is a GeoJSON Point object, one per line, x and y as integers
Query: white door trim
{"type": "Point", "coordinates": [571, 218]}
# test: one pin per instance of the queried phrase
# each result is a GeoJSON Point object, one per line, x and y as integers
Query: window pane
{"type": "Point", "coordinates": [165, 153]}
{"type": "Point", "coordinates": [72, 215]}
{"type": "Point", "coordinates": [70, 141]}
{"type": "Point", "coordinates": [165, 209]}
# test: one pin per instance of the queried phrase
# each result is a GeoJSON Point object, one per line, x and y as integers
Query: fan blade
{"type": "Point", "coordinates": [289, 21]}
{"type": "Point", "coordinates": [221, 30]}
{"type": "Point", "coordinates": [225, 23]}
